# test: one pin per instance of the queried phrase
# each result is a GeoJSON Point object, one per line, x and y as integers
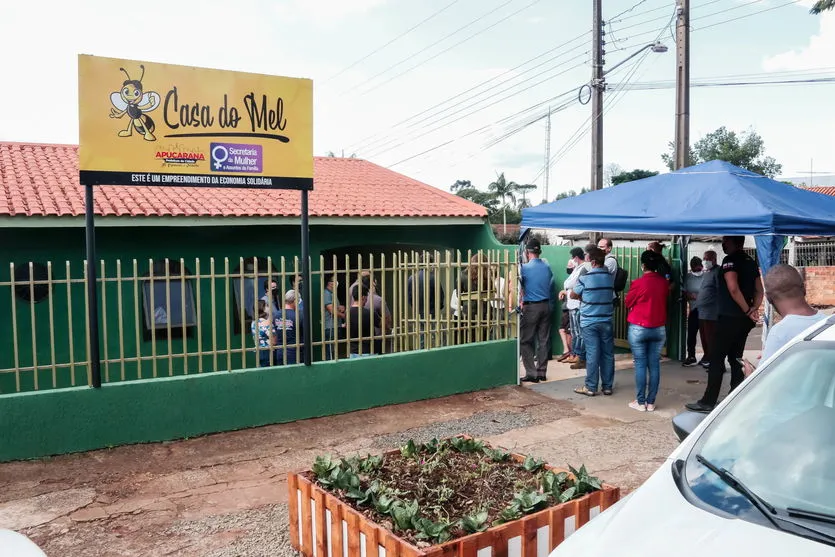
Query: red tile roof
{"type": "Point", "coordinates": [42, 180]}
{"type": "Point", "coordinates": [826, 190]}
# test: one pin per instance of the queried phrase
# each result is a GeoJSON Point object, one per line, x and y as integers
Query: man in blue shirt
{"type": "Point", "coordinates": [596, 289]}
{"type": "Point", "coordinates": [535, 326]}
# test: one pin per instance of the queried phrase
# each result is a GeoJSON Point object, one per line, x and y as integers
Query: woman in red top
{"type": "Point", "coordinates": [647, 306]}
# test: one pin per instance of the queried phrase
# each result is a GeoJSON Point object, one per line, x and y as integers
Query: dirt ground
{"type": "Point", "coordinates": [225, 494]}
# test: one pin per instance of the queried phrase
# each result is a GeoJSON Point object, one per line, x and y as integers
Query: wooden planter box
{"type": "Point", "coordinates": [323, 526]}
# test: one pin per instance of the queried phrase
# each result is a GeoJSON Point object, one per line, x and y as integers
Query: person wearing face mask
{"type": "Point", "coordinates": [740, 294]}
{"type": "Point", "coordinates": [692, 285]}
{"type": "Point", "coordinates": [577, 359]}
{"type": "Point", "coordinates": [708, 304]}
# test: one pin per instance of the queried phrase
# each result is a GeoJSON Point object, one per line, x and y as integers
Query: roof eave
{"type": "Point", "coordinates": [177, 221]}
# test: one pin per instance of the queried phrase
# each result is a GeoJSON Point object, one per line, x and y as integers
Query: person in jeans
{"type": "Point", "coordinates": [692, 286]}
{"type": "Point", "coordinates": [708, 303]}
{"type": "Point", "coordinates": [535, 326]}
{"type": "Point", "coordinates": [646, 303]}
{"type": "Point", "coordinates": [740, 296]}
{"type": "Point", "coordinates": [577, 350]}
{"type": "Point", "coordinates": [595, 290]}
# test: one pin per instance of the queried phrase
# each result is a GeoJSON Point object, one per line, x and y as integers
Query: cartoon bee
{"type": "Point", "coordinates": [133, 102]}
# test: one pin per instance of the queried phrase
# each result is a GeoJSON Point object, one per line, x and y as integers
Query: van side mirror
{"type": "Point", "coordinates": [686, 422]}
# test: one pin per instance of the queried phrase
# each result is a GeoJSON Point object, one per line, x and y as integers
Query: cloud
{"type": "Point", "coordinates": [323, 10]}
{"type": "Point", "coordinates": [817, 54]}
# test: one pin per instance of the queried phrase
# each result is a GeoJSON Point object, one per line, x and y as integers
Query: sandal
{"type": "Point", "coordinates": [564, 357]}
{"type": "Point", "coordinates": [584, 391]}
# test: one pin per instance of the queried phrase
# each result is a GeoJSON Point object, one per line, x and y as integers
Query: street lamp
{"type": "Point", "coordinates": [657, 47]}
{"type": "Point", "coordinates": [596, 88]}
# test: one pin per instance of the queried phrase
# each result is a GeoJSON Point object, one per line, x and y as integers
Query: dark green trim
{"type": "Point", "coordinates": [79, 419]}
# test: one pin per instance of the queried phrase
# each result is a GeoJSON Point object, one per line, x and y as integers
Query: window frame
{"type": "Point", "coordinates": [178, 278]}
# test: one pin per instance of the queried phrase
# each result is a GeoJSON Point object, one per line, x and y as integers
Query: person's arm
{"type": "Point", "coordinates": [632, 296]}
{"type": "Point", "coordinates": [577, 291]}
{"type": "Point", "coordinates": [732, 282]}
{"type": "Point", "coordinates": [759, 292]}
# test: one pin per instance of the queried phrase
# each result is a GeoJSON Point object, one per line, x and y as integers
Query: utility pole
{"type": "Point", "coordinates": [598, 84]}
{"type": "Point", "coordinates": [683, 85]}
{"type": "Point", "coordinates": [547, 153]}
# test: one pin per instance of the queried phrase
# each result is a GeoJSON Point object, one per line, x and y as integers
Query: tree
{"type": "Point", "coordinates": [486, 200]}
{"type": "Point", "coordinates": [822, 6]}
{"type": "Point", "coordinates": [745, 150]}
{"type": "Point", "coordinates": [524, 190]}
{"type": "Point", "coordinates": [571, 193]}
{"type": "Point", "coordinates": [460, 185]}
{"type": "Point", "coordinates": [504, 190]}
{"type": "Point", "coordinates": [610, 171]}
{"type": "Point", "coordinates": [631, 176]}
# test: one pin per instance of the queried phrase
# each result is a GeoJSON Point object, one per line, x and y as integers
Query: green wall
{"type": "Point", "coordinates": [60, 245]}
{"type": "Point", "coordinates": [79, 419]}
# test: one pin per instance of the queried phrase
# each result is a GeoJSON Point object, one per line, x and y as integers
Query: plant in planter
{"type": "Point", "coordinates": [452, 495]}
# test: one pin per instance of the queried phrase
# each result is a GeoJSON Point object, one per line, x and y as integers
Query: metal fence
{"type": "Point", "coordinates": [174, 317]}
{"type": "Point", "coordinates": [805, 254]}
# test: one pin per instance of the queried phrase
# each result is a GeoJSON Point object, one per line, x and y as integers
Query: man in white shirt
{"type": "Point", "coordinates": [611, 263]}
{"type": "Point", "coordinates": [581, 267]}
{"type": "Point", "coordinates": [786, 291]}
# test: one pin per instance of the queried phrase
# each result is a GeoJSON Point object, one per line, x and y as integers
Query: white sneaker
{"type": "Point", "coordinates": [639, 407]}
{"type": "Point", "coordinates": [650, 408]}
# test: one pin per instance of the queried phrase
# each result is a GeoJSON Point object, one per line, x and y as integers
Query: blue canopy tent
{"type": "Point", "coordinates": [713, 198]}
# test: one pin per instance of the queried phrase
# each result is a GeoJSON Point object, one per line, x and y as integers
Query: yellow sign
{"type": "Point", "coordinates": [142, 123]}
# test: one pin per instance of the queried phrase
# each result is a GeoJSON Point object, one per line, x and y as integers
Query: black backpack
{"type": "Point", "coordinates": [621, 276]}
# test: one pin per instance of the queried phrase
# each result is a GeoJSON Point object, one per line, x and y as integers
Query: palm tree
{"type": "Point", "coordinates": [524, 189]}
{"type": "Point", "coordinates": [823, 5]}
{"type": "Point", "coordinates": [504, 190]}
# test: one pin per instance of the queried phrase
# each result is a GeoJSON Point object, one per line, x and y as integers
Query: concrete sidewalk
{"type": "Point", "coordinates": [679, 384]}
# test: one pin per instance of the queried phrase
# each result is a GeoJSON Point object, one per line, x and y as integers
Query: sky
{"type": "Point", "coordinates": [432, 89]}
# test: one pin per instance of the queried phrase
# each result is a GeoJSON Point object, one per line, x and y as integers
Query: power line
{"type": "Point", "coordinates": [658, 86]}
{"type": "Point", "coordinates": [746, 15]}
{"type": "Point", "coordinates": [376, 141]}
{"type": "Point", "coordinates": [629, 9]}
{"type": "Point", "coordinates": [380, 149]}
{"type": "Point", "coordinates": [365, 141]}
{"type": "Point", "coordinates": [404, 60]}
{"type": "Point", "coordinates": [571, 92]}
{"type": "Point", "coordinates": [584, 128]}
{"type": "Point", "coordinates": [491, 143]}
{"type": "Point", "coordinates": [395, 39]}
{"type": "Point", "coordinates": [375, 87]}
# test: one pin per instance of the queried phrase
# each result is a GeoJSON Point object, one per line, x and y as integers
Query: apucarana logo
{"type": "Point", "coordinates": [236, 157]}
{"type": "Point", "coordinates": [179, 155]}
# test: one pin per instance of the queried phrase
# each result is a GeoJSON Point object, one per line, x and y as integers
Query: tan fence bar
{"type": "Point", "coordinates": [483, 282]}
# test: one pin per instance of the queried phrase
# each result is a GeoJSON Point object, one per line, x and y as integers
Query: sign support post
{"type": "Point", "coordinates": [147, 124]}
{"type": "Point", "coordinates": [93, 355]}
{"type": "Point", "coordinates": [307, 327]}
